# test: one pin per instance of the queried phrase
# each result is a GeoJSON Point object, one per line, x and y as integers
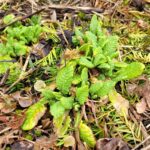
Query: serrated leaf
{"type": "Point", "coordinates": [82, 94]}
{"type": "Point", "coordinates": [131, 71]}
{"type": "Point", "coordinates": [67, 102]}
{"type": "Point", "coordinates": [111, 45]}
{"type": "Point", "coordinates": [91, 38]}
{"type": "Point", "coordinates": [78, 38]}
{"type": "Point", "coordinates": [95, 88]}
{"type": "Point", "coordinates": [57, 109]}
{"type": "Point", "coordinates": [51, 95]}
{"type": "Point", "coordinates": [76, 79]}
{"type": "Point", "coordinates": [33, 115]}
{"type": "Point", "coordinates": [86, 135]}
{"type": "Point", "coordinates": [94, 24]}
{"type": "Point", "coordinates": [64, 79]}
{"type": "Point", "coordinates": [106, 88]}
{"type": "Point", "coordinates": [99, 59]}
{"type": "Point", "coordinates": [85, 62]}
{"type": "Point", "coordinates": [102, 88]}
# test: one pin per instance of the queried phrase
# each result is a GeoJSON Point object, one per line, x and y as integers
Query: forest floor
{"type": "Point", "coordinates": [74, 74]}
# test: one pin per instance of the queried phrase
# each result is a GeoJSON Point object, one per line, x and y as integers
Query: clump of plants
{"type": "Point", "coordinates": [90, 71]}
{"type": "Point", "coordinates": [16, 40]}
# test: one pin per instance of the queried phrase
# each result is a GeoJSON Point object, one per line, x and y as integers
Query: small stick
{"type": "Point", "coordinates": [76, 8]}
{"type": "Point", "coordinates": [137, 146]}
{"type": "Point", "coordinates": [25, 66]}
{"type": "Point", "coordinates": [3, 80]}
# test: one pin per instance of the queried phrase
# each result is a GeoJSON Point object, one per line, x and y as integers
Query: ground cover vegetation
{"type": "Point", "coordinates": [80, 84]}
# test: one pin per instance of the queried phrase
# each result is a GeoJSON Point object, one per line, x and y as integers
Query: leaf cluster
{"type": "Point", "coordinates": [17, 39]}
{"type": "Point", "coordinates": [75, 80]}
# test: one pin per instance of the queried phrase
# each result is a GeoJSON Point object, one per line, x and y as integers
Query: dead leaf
{"type": "Point", "coordinates": [131, 88]}
{"type": "Point", "coordinates": [111, 144]}
{"type": "Point", "coordinates": [141, 106]}
{"type": "Point", "coordinates": [46, 123]}
{"type": "Point", "coordinates": [8, 108]}
{"type": "Point", "coordinates": [71, 54]}
{"type": "Point", "coordinates": [4, 119]}
{"type": "Point", "coordinates": [144, 92]}
{"type": "Point", "coordinates": [2, 105]}
{"type": "Point", "coordinates": [24, 101]}
{"type": "Point", "coordinates": [16, 121]}
{"type": "Point", "coordinates": [119, 103]}
{"type": "Point", "coordinates": [45, 142]}
{"type": "Point", "coordinates": [22, 145]}
{"type": "Point", "coordinates": [69, 141]}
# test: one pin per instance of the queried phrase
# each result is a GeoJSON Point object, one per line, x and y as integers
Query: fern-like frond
{"type": "Point", "coordinates": [50, 59]}
{"type": "Point", "coordinates": [139, 56]}
{"type": "Point", "coordinates": [119, 126]}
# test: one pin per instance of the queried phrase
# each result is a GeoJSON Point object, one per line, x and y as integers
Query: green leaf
{"type": "Point", "coordinates": [82, 94]}
{"type": "Point", "coordinates": [33, 115]}
{"type": "Point", "coordinates": [111, 45]}
{"type": "Point", "coordinates": [62, 124]}
{"type": "Point", "coordinates": [102, 88]}
{"type": "Point", "coordinates": [84, 76]}
{"type": "Point", "coordinates": [51, 95]}
{"type": "Point", "coordinates": [94, 24]}
{"type": "Point", "coordinates": [131, 71]}
{"type": "Point", "coordinates": [57, 109]}
{"type": "Point", "coordinates": [67, 102]}
{"type": "Point", "coordinates": [95, 88]}
{"type": "Point", "coordinates": [106, 88]}
{"type": "Point", "coordinates": [85, 48]}
{"type": "Point", "coordinates": [76, 79]}
{"type": "Point", "coordinates": [91, 38]}
{"type": "Point", "coordinates": [85, 62]}
{"type": "Point", "coordinates": [64, 79]}
{"type": "Point", "coordinates": [87, 135]}
{"type": "Point", "coordinates": [99, 59]}
{"type": "Point", "coordinates": [9, 18]}
{"type": "Point", "coordinates": [78, 38]}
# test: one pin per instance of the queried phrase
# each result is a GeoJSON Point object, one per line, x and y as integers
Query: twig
{"type": "Point", "coordinates": [3, 80]}
{"type": "Point", "coordinates": [25, 66]}
{"type": "Point", "coordinates": [21, 18]}
{"type": "Point", "coordinates": [4, 130]}
{"type": "Point", "coordinates": [148, 138]}
{"type": "Point", "coordinates": [146, 148]}
{"type": "Point", "coordinates": [76, 8]}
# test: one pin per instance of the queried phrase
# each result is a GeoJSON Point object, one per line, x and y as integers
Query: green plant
{"type": "Point", "coordinates": [76, 82]}
{"type": "Point", "coordinates": [17, 39]}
